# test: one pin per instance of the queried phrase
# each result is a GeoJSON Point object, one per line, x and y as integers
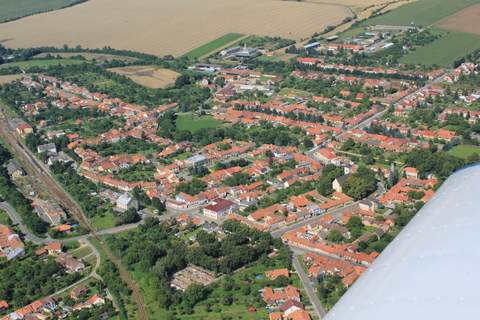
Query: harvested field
{"type": "Point", "coordinates": [169, 26]}
{"type": "Point", "coordinates": [466, 20]}
{"type": "Point", "coordinates": [9, 78]}
{"type": "Point", "coordinates": [87, 55]}
{"type": "Point", "coordinates": [149, 76]}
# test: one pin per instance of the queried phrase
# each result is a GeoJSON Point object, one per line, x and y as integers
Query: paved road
{"type": "Point", "coordinates": [16, 220]}
{"type": "Point", "coordinates": [308, 288]}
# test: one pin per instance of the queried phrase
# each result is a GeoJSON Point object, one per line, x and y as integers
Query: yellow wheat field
{"type": "Point", "coordinates": [168, 26]}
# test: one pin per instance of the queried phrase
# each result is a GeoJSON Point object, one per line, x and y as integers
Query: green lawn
{"type": "Point", "coordinates": [83, 252]}
{"type": "Point", "coordinates": [452, 46]}
{"type": "Point", "coordinates": [463, 151]}
{"type": "Point", "coordinates": [95, 243]}
{"type": "Point", "coordinates": [42, 63]}
{"type": "Point", "coordinates": [185, 122]}
{"type": "Point", "coordinates": [184, 155]}
{"type": "Point", "coordinates": [19, 8]}
{"type": "Point", "coordinates": [212, 45]}
{"type": "Point", "coordinates": [107, 222]}
{"type": "Point", "coordinates": [421, 13]}
{"type": "Point", "coordinates": [3, 216]}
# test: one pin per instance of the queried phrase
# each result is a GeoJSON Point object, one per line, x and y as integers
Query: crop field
{"type": "Point", "coordinates": [87, 55]}
{"type": "Point", "coordinates": [443, 51]}
{"type": "Point", "coordinates": [168, 26]}
{"type": "Point", "coordinates": [19, 8]}
{"type": "Point", "coordinates": [149, 76]}
{"type": "Point", "coordinates": [9, 78]}
{"type": "Point", "coordinates": [421, 12]}
{"type": "Point", "coordinates": [464, 151]}
{"type": "Point", "coordinates": [467, 20]}
{"type": "Point", "coordinates": [214, 45]}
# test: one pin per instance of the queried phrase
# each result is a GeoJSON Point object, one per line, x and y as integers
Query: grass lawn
{"type": "Point", "coordinates": [188, 235]}
{"type": "Point", "coordinates": [212, 45]}
{"type": "Point", "coordinates": [185, 122]}
{"type": "Point", "coordinates": [452, 46]}
{"type": "Point", "coordinates": [95, 243]}
{"type": "Point", "coordinates": [184, 155]}
{"type": "Point", "coordinates": [42, 63]}
{"type": "Point", "coordinates": [107, 222]}
{"type": "Point", "coordinates": [267, 58]}
{"type": "Point", "coordinates": [20, 8]}
{"type": "Point", "coordinates": [463, 151]}
{"type": "Point", "coordinates": [71, 245]}
{"type": "Point", "coordinates": [3, 216]}
{"type": "Point", "coordinates": [420, 13]}
{"type": "Point", "coordinates": [80, 253]}
{"type": "Point", "coordinates": [287, 91]}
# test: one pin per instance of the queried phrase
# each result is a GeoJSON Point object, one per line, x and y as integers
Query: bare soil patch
{"type": "Point", "coordinates": [149, 76]}
{"type": "Point", "coordinates": [87, 55]}
{"type": "Point", "coordinates": [466, 20]}
{"type": "Point", "coordinates": [168, 26]}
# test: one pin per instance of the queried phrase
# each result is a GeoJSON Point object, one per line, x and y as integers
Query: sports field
{"type": "Point", "coordinates": [216, 44]}
{"type": "Point", "coordinates": [149, 76]}
{"type": "Point", "coordinates": [463, 151]}
{"type": "Point", "coordinates": [421, 12]}
{"type": "Point", "coordinates": [451, 46]}
{"type": "Point", "coordinates": [185, 122]}
{"type": "Point", "coordinates": [12, 9]}
{"type": "Point", "coordinates": [168, 26]}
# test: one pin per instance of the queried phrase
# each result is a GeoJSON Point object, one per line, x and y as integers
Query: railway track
{"type": "Point", "coordinates": [65, 200]}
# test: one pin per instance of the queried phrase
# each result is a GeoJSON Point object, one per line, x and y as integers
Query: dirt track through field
{"type": "Point", "coordinates": [467, 20]}
{"type": "Point", "coordinates": [168, 26]}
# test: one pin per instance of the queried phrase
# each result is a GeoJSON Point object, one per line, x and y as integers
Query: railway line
{"type": "Point", "coordinates": [65, 200]}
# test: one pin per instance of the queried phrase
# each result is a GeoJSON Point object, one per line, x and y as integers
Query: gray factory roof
{"type": "Point", "coordinates": [429, 270]}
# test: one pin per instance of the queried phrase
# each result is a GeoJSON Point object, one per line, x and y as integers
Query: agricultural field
{"type": "Point", "coordinates": [420, 13]}
{"type": "Point", "coordinates": [9, 78]}
{"type": "Point", "coordinates": [149, 76]}
{"type": "Point", "coordinates": [20, 8]}
{"type": "Point", "coordinates": [88, 55]}
{"type": "Point", "coordinates": [169, 26]}
{"type": "Point", "coordinates": [212, 46]}
{"type": "Point", "coordinates": [443, 51]}
{"type": "Point", "coordinates": [41, 63]}
{"type": "Point", "coordinates": [466, 20]}
{"type": "Point", "coordinates": [464, 151]}
{"type": "Point", "coordinates": [355, 5]}
{"type": "Point", "coordinates": [185, 122]}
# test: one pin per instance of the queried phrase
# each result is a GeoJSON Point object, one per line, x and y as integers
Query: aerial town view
{"type": "Point", "coordinates": [253, 160]}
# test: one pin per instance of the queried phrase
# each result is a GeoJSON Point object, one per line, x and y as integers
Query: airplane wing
{"type": "Point", "coordinates": [430, 270]}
